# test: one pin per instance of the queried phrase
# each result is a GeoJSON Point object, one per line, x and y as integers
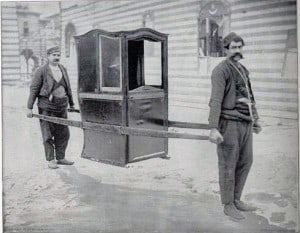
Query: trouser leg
{"type": "Point", "coordinates": [61, 137]}
{"type": "Point", "coordinates": [245, 160]}
{"type": "Point", "coordinates": [47, 129]}
{"type": "Point", "coordinates": [228, 152]}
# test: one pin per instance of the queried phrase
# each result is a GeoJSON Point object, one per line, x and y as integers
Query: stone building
{"type": "Point", "coordinates": [25, 37]}
{"type": "Point", "coordinates": [196, 29]}
{"type": "Point", "coordinates": [10, 42]}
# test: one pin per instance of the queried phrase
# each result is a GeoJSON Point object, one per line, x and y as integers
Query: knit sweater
{"type": "Point", "coordinates": [225, 85]}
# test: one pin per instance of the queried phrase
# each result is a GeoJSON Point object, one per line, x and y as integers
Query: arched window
{"type": "Point", "coordinates": [70, 31]}
{"type": "Point", "coordinates": [213, 25]}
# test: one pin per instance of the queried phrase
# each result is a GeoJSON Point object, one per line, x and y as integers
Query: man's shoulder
{"type": "Point", "coordinates": [61, 66]}
{"type": "Point", "coordinates": [244, 67]}
{"type": "Point", "coordinates": [221, 67]}
{"type": "Point", "coordinates": [41, 68]}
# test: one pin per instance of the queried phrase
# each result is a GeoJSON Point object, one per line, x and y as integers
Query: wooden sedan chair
{"type": "Point", "coordinates": [123, 81]}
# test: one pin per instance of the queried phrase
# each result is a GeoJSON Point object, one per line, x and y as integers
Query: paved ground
{"type": "Point", "coordinates": [112, 208]}
{"type": "Point", "coordinates": [177, 195]}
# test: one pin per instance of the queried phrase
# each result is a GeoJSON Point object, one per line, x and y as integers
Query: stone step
{"type": "Point", "coordinates": [204, 98]}
{"type": "Point", "coordinates": [265, 108]}
{"type": "Point", "coordinates": [206, 83]}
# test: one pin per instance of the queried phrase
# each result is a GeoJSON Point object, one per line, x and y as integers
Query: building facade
{"type": "Point", "coordinates": [196, 29]}
{"type": "Point", "coordinates": [10, 42]}
{"type": "Point", "coordinates": [25, 37]}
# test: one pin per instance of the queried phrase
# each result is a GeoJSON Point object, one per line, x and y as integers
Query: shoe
{"type": "Point", "coordinates": [64, 162]}
{"type": "Point", "coordinates": [52, 164]}
{"type": "Point", "coordinates": [242, 206]}
{"type": "Point", "coordinates": [231, 211]}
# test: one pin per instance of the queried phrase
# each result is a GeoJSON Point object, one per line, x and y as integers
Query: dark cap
{"type": "Point", "coordinates": [54, 49]}
{"type": "Point", "coordinates": [232, 36]}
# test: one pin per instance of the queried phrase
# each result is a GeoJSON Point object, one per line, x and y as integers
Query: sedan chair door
{"type": "Point", "coordinates": [147, 98]}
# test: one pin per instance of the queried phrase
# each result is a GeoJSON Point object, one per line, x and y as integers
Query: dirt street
{"type": "Point", "coordinates": [157, 195]}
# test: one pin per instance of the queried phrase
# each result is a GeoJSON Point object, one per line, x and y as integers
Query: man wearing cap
{"type": "Point", "coordinates": [51, 86]}
{"type": "Point", "coordinates": [232, 119]}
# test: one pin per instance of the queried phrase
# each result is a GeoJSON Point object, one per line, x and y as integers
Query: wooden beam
{"type": "Point", "coordinates": [141, 132]}
{"type": "Point", "coordinates": [61, 121]}
{"type": "Point", "coordinates": [123, 130]}
{"type": "Point", "coordinates": [181, 124]}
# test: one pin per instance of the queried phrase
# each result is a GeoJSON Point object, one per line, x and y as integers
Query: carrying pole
{"type": "Point", "coordinates": [123, 130]}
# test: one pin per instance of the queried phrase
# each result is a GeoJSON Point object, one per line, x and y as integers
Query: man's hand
{"type": "Point", "coordinates": [215, 136]}
{"type": "Point", "coordinates": [73, 109]}
{"type": "Point", "coordinates": [29, 113]}
{"type": "Point", "coordinates": [257, 127]}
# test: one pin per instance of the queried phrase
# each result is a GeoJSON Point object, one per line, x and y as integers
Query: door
{"type": "Point", "coordinates": [146, 99]}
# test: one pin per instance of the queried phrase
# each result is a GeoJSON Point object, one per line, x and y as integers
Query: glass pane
{"type": "Point", "coordinates": [87, 51]}
{"type": "Point", "coordinates": [110, 63]}
{"type": "Point", "coordinates": [152, 61]}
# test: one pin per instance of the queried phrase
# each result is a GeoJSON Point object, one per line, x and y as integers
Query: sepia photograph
{"type": "Point", "coordinates": [150, 116]}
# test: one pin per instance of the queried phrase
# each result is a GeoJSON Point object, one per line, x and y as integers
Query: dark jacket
{"type": "Point", "coordinates": [43, 82]}
{"type": "Point", "coordinates": [224, 94]}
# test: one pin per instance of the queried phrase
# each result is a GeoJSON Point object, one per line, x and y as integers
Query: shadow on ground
{"type": "Point", "coordinates": [117, 209]}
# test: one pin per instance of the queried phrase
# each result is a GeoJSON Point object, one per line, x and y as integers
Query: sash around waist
{"type": "Point", "coordinates": [234, 114]}
{"type": "Point", "coordinates": [55, 104]}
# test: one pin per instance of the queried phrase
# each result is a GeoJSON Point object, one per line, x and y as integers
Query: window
{"type": "Point", "coordinates": [152, 64]}
{"type": "Point", "coordinates": [213, 25]}
{"type": "Point", "coordinates": [70, 31]}
{"type": "Point", "coordinates": [110, 63]}
{"type": "Point", "coordinates": [25, 28]}
{"type": "Point", "coordinates": [144, 69]}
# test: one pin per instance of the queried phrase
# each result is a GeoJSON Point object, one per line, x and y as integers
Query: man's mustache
{"type": "Point", "coordinates": [237, 54]}
{"type": "Point", "coordinates": [56, 59]}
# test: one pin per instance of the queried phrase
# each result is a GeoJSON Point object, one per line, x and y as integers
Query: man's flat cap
{"type": "Point", "coordinates": [53, 49]}
{"type": "Point", "coordinates": [232, 36]}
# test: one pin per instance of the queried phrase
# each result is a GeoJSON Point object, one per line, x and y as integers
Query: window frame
{"type": "Point", "coordinates": [101, 87]}
{"type": "Point", "coordinates": [223, 16]}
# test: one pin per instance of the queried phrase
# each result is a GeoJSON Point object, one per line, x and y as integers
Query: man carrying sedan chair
{"type": "Point", "coordinates": [51, 86]}
{"type": "Point", "coordinates": [233, 118]}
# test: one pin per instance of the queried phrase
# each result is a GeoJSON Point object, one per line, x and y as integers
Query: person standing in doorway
{"type": "Point", "coordinates": [232, 119]}
{"type": "Point", "coordinates": [51, 86]}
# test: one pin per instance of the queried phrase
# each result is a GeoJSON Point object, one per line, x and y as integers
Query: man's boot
{"type": "Point", "coordinates": [231, 211]}
{"type": "Point", "coordinates": [52, 164]}
{"type": "Point", "coordinates": [242, 206]}
{"type": "Point", "coordinates": [64, 162]}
